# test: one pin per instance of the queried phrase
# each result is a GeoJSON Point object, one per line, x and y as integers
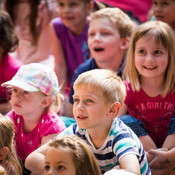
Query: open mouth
{"type": "Point", "coordinates": [98, 49]}
{"type": "Point", "coordinates": [150, 67]}
{"type": "Point", "coordinates": [82, 117]}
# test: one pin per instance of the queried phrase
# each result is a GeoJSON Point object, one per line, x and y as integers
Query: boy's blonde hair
{"type": "Point", "coordinates": [164, 35]}
{"type": "Point", "coordinates": [105, 80]}
{"type": "Point", "coordinates": [84, 160]}
{"type": "Point", "coordinates": [117, 17]}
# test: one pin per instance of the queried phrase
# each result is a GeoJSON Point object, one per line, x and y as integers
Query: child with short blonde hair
{"type": "Point", "coordinates": [97, 99]}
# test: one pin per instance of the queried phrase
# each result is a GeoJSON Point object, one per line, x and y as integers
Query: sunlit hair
{"type": "Point", "coordinates": [7, 135]}
{"type": "Point", "coordinates": [107, 81]}
{"type": "Point", "coordinates": [8, 38]}
{"type": "Point", "coordinates": [57, 102]}
{"type": "Point", "coordinates": [117, 17]}
{"type": "Point", "coordinates": [84, 160]}
{"type": "Point", "coordinates": [164, 35]}
{"type": "Point", "coordinates": [2, 170]}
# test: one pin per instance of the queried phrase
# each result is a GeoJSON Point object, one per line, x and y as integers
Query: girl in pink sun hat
{"type": "Point", "coordinates": [35, 101]}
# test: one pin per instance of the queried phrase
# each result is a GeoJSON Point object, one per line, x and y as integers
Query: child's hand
{"type": "Point", "coordinates": [160, 161]}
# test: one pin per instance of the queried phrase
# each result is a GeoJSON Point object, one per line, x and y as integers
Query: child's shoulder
{"type": "Point", "coordinates": [86, 66]}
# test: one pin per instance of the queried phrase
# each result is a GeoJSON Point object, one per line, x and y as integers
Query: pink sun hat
{"type": "Point", "coordinates": [35, 77]}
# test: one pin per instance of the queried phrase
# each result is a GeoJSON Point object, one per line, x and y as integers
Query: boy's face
{"type": "Point", "coordinates": [164, 11]}
{"type": "Point", "coordinates": [59, 162]}
{"type": "Point", "coordinates": [104, 41]}
{"type": "Point", "coordinates": [74, 14]}
{"type": "Point", "coordinates": [26, 103]}
{"type": "Point", "coordinates": [90, 108]}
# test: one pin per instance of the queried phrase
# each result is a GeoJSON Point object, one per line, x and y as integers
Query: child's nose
{"type": "Point", "coordinates": [52, 171]}
{"type": "Point", "coordinates": [149, 57]}
{"type": "Point", "coordinates": [97, 37]}
{"type": "Point", "coordinates": [158, 8]}
{"type": "Point", "coordinates": [80, 106]}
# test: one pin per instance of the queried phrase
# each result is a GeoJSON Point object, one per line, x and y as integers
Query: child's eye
{"type": "Point", "coordinates": [105, 33]}
{"type": "Point", "coordinates": [91, 34]}
{"type": "Point", "coordinates": [75, 99]}
{"type": "Point", "coordinates": [61, 4]}
{"type": "Point", "coordinates": [14, 90]}
{"type": "Point", "coordinates": [89, 101]}
{"type": "Point", "coordinates": [61, 167]}
{"type": "Point", "coordinates": [47, 167]}
{"type": "Point", "coordinates": [142, 51]}
{"type": "Point", "coordinates": [157, 52]}
{"type": "Point", "coordinates": [73, 4]}
{"type": "Point", "coordinates": [26, 92]}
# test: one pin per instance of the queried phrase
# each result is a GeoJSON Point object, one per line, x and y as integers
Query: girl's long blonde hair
{"type": "Point", "coordinates": [163, 34]}
{"type": "Point", "coordinates": [7, 135]}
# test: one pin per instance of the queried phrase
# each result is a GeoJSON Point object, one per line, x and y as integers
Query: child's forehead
{"type": "Point", "coordinates": [87, 88]}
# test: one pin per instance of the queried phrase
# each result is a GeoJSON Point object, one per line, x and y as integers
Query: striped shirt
{"type": "Point", "coordinates": [120, 141]}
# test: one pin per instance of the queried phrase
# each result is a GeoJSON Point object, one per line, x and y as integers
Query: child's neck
{"type": "Point", "coordinates": [152, 87]}
{"type": "Point", "coordinates": [78, 30]}
{"type": "Point", "coordinates": [110, 64]}
{"type": "Point", "coordinates": [30, 122]}
{"type": "Point", "coordinates": [99, 135]}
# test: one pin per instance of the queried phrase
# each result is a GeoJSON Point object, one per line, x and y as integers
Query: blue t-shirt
{"type": "Point", "coordinates": [120, 142]}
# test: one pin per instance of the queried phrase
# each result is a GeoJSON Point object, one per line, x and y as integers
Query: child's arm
{"type": "Point", "coordinates": [47, 138]}
{"type": "Point", "coordinates": [123, 110]}
{"type": "Point", "coordinates": [164, 157]}
{"type": "Point", "coordinates": [130, 163]}
{"type": "Point", "coordinates": [35, 160]}
{"type": "Point", "coordinates": [60, 60]}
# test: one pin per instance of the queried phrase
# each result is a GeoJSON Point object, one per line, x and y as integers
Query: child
{"type": "Point", "coordinates": [164, 11]}
{"type": "Point", "coordinates": [109, 28]}
{"type": "Point", "coordinates": [8, 65]}
{"type": "Point", "coordinates": [97, 98]}
{"type": "Point", "coordinates": [69, 37]}
{"type": "Point", "coordinates": [8, 157]}
{"type": "Point", "coordinates": [150, 86]}
{"type": "Point", "coordinates": [74, 156]}
{"type": "Point", "coordinates": [31, 19]}
{"type": "Point", "coordinates": [35, 101]}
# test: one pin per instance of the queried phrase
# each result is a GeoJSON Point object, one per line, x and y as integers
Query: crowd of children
{"type": "Point", "coordinates": [116, 69]}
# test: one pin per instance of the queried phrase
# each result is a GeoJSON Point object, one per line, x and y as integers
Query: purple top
{"type": "Point", "coordinates": [75, 47]}
{"type": "Point", "coordinates": [8, 68]}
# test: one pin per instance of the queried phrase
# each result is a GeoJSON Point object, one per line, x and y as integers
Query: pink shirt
{"type": "Point", "coordinates": [50, 123]}
{"type": "Point", "coordinates": [8, 68]}
{"type": "Point", "coordinates": [155, 112]}
{"type": "Point", "coordinates": [139, 8]}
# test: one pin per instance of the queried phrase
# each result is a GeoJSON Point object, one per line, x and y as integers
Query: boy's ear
{"type": "Point", "coordinates": [114, 109]}
{"type": "Point", "coordinates": [3, 152]}
{"type": "Point", "coordinates": [46, 101]}
{"type": "Point", "coordinates": [125, 43]}
{"type": "Point", "coordinates": [90, 6]}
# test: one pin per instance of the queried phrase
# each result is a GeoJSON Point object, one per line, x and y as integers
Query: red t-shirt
{"type": "Point", "coordinates": [155, 112]}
